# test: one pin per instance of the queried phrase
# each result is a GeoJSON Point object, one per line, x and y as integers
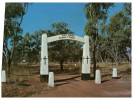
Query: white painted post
{"type": "Point", "coordinates": [98, 77]}
{"type": "Point", "coordinates": [51, 79]}
{"type": "Point", "coordinates": [75, 64]}
{"type": "Point", "coordinates": [3, 76]}
{"type": "Point", "coordinates": [114, 73]}
{"type": "Point", "coordinates": [44, 59]}
{"type": "Point", "coordinates": [86, 60]}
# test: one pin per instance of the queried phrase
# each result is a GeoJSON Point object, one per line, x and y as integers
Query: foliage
{"type": "Point", "coordinates": [14, 13]}
{"type": "Point", "coordinates": [29, 47]}
{"type": "Point", "coordinates": [96, 13]}
{"type": "Point", "coordinates": [119, 36]}
{"type": "Point", "coordinates": [63, 50]}
{"type": "Point", "coordinates": [127, 8]}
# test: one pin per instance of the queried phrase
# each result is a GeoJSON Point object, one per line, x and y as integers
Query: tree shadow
{"type": "Point", "coordinates": [13, 82]}
{"type": "Point", "coordinates": [67, 79]}
{"type": "Point", "coordinates": [8, 83]}
{"type": "Point", "coordinates": [25, 84]}
{"type": "Point", "coordinates": [116, 77]}
{"type": "Point", "coordinates": [24, 81]}
{"type": "Point", "coordinates": [92, 78]}
{"type": "Point", "coordinates": [104, 81]}
{"type": "Point", "coordinates": [106, 75]}
{"type": "Point", "coordinates": [36, 72]}
{"type": "Point", "coordinates": [61, 84]}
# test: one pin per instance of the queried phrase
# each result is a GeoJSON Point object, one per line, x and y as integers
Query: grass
{"type": "Point", "coordinates": [20, 82]}
{"type": "Point", "coordinates": [15, 90]}
{"type": "Point", "coordinates": [24, 80]}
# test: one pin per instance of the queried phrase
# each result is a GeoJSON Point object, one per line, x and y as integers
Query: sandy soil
{"type": "Point", "coordinates": [73, 86]}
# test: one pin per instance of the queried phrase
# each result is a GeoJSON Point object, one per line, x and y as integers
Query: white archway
{"type": "Point", "coordinates": [44, 70]}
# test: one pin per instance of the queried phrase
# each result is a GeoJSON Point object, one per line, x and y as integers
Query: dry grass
{"type": "Point", "coordinates": [15, 90]}
{"type": "Point", "coordinates": [24, 80]}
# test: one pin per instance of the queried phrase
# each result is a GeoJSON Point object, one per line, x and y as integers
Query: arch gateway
{"type": "Point", "coordinates": [86, 60]}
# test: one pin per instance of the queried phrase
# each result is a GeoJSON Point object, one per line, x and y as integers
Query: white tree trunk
{"type": "Point", "coordinates": [104, 62]}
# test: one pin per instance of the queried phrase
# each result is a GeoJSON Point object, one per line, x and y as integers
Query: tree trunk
{"type": "Point", "coordinates": [117, 63]}
{"type": "Point", "coordinates": [115, 57]}
{"type": "Point", "coordinates": [104, 62]}
{"type": "Point", "coordinates": [15, 63]}
{"type": "Point", "coordinates": [8, 67]}
{"type": "Point", "coordinates": [130, 60]}
{"type": "Point", "coordinates": [94, 61]}
{"type": "Point", "coordinates": [61, 65]}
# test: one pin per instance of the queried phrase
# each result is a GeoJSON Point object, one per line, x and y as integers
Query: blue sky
{"type": "Point", "coordinates": [42, 15]}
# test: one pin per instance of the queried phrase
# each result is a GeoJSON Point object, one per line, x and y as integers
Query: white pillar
{"type": "Point", "coordinates": [86, 60]}
{"type": "Point", "coordinates": [3, 76]}
{"type": "Point", "coordinates": [44, 59]}
{"type": "Point", "coordinates": [114, 73]}
{"type": "Point", "coordinates": [98, 77]}
{"type": "Point", "coordinates": [51, 79]}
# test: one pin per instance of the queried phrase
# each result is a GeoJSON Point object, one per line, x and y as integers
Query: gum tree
{"type": "Point", "coordinates": [119, 34]}
{"type": "Point", "coordinates": [62, 50]}
{"type": "Point", "coordinates": [96, 14]}
{"type": "Point", "coordinates": [14, 13]}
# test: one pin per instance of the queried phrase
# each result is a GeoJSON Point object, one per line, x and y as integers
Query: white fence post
{"type": "Point", "coordinates": [51, 79]}
{"type": "Point", "coordinates": [98, 77]}
{"type": "Point", "coordinates": [3, 76]}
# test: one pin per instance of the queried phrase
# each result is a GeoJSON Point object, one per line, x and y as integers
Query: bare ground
{"type": "Point", "coordinates": [73, 86]}
{"type": "Point", "coordinates": [69, 84]}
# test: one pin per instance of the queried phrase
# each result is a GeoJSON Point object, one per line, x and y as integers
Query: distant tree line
{"type": "Point", "coordinates": [29, 47]}
{"type": "Point", "coordinates": [108, 42]}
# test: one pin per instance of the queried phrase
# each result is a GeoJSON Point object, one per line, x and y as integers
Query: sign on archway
{"type": "Point", "coordinates": [44, 70]}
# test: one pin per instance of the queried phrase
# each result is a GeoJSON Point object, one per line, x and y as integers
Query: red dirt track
{"type": "Point", "coordinates": [73, 86]}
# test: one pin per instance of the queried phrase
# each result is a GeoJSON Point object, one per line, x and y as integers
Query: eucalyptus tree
{"type": "Point", "coordinates": [14, 13]}
{"type": "Point", "coordinates": [127, 9]}
{"type": "Point", "coordinates": [62, 50]}
{"type": "Point", "coordinates": [96, 13]}
{"type": "Point", "coordinates": [119, 33]}
{"type": "Point", "coordinates": [28, 48]}
{"type": "Point", "coordinates": [37, 46]}
{"type": "Point", "coordinates": [102, 53]}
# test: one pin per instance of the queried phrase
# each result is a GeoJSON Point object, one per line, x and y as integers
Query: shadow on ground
{"type": "Point", "coordinates": [67, 79]}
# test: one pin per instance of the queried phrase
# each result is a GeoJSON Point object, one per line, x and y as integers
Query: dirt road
{"type": "Point", "coordinates": [73, 86]}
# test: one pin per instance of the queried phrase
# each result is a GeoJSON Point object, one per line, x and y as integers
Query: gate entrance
{"type": "Point", "coordinates": [86, 60]}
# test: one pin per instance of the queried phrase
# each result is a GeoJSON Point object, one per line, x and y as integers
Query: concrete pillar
{"type": "Point", "coordinates": [114, 73]}
{"type": "Point", "coordinates": [3, 76]}
{"type": "Point", "coordinates": [44, 59]}
{"type": "Point", "coordinates": [98, 77]}
{"type": "Point", "coordinates": [51, 79]}
{"type": "Point", "coordinates": [86, 60]}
